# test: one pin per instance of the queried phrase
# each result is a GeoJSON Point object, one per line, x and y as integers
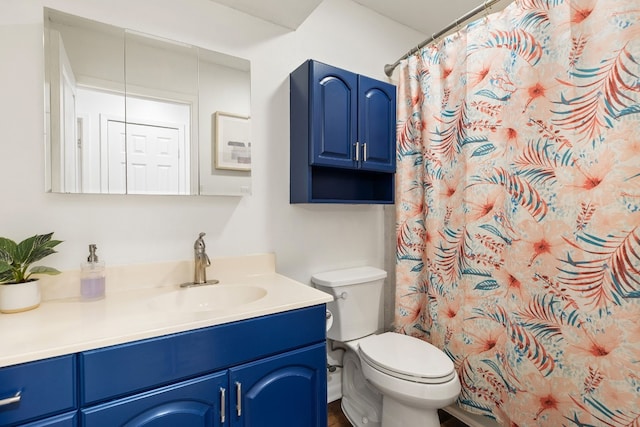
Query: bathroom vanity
{"type": "Point", "coordinates": [265, 367]}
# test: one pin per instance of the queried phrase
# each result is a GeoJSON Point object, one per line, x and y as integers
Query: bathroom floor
{"type": "Point", "coordinates": [337, 419]}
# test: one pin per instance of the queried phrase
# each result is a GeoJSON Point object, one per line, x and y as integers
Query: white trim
{"type": "Point", "coordinates": [104, 150]}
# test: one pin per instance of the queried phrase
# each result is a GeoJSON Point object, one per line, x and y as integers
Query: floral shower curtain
{"type": "Point", "coordinates": [518, 210]}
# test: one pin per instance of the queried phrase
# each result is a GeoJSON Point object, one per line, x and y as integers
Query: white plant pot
{"type": "Point", "coordinates": [19, 297]}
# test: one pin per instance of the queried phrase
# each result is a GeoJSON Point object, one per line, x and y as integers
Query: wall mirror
{"type": "Point", "coordinates": [131, 113]}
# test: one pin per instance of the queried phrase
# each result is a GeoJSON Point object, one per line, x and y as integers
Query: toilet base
{"type": "Point", "coordinates": [361, 402]}
{"type": "Point", "coordinates": [397, 414]}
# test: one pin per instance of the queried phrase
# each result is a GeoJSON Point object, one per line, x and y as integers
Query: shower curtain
{"type": "Point", "coordinates": [518, 210]}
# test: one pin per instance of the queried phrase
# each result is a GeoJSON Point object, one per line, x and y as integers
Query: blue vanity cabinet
{"type": "Point", "coordinates": [41, 393]}
{"type": "Point", "coordinates": [342, 130]}
{"type": "Point", "coordinates": [191, 378]}
{"type": "Point", "coordinates": [281, 390]}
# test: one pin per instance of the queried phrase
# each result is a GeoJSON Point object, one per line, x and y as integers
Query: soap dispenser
{"type": "Point", "coordinates": [92, 276]}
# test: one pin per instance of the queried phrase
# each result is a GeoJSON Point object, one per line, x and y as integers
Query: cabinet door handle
{"type": "Point", "coordinates": [223, 405]}
{"type": "Point", "coordinates": [238, 398]}
{"type": "Point", "coordinates": [364, 152]}
{"type": "Point", "coordinates": [357, 146]}
{"type": "Point", "coordinates": [10, 400]}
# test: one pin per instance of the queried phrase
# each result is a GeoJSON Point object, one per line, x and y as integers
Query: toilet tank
{"type": "Point", "coordinates": [357, 304]}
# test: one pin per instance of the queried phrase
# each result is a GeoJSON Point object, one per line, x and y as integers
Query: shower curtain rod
{"type": "Point", "coordinates": [388, 69]}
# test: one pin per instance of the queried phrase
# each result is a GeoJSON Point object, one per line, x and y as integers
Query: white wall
{"type": "Point", "coordinates": [137, 229]}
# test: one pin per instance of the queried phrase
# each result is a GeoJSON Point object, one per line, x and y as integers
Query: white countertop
{"type": "Point", "coordinates": [68, 325]}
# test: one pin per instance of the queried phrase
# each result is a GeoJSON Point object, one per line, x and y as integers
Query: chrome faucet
{"type": "Point", "coordinates": [202, 261]}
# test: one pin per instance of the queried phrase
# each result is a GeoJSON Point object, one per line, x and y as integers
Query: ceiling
{"type": "Point", "coordinates": [425, 16]}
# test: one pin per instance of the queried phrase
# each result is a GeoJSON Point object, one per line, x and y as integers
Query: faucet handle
{"type": "Point", "coordinates": [199, 244]}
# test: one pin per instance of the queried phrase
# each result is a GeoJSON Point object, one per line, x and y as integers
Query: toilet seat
{"type": "Point", "coordinates": [407, 358]}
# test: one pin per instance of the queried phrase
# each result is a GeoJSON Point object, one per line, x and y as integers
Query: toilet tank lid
{"type": "Point", "coordinates": [348, 276]}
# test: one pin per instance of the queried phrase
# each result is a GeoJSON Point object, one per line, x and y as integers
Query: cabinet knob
{"type": "Point", "coordinates": [357, 148]}
{"type": "Point", "coordinates": [364, 152]}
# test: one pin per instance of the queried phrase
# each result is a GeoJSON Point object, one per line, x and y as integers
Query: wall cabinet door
{"type": "Point", "coordinates": [333, 98]}
{"type": "Point", "coordinates": [193, 403]}
{"type": "Point", "coordinates": [376, 124]}
{"type": "Point", "coordinates": [284, 390]}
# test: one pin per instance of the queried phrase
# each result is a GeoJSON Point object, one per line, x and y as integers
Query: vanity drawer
{"type": "Point", "coordinates": [45, 387]}
{"type": "Point", "coordinates": [129, 368]}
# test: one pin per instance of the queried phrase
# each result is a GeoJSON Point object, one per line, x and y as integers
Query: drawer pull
{"type": "Point", "coordinates": [364, 152]}
{"type": "Point", "coordinates": [357, 149]}
{"type": "Point", "coordinates": [10, 400]}
{"type": "Point", "coordinates": [223, 405]}
{"type": "Point", "coordinates": [238, 398]}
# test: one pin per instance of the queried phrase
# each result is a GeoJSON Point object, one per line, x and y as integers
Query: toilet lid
{"type": "Point", "coordinates": [407, 357]}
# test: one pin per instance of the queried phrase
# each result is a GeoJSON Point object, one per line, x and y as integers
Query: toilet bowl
{"type": "Point", "coordinates": [388, 379]}
{"type": "Point", "coordinates": [415, 378]}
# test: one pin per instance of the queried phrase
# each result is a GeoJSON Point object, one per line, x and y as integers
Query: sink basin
{"type": "Point", "coordinates": [207, 298]}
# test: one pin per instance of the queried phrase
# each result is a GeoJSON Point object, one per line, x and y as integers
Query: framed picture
{"type": "Point", "coordinates": [232, 149]}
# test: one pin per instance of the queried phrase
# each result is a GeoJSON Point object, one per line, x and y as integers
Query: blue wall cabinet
{"type": "Point", "coordinates": [342, 133]}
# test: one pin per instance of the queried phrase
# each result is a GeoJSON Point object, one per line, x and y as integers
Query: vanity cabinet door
{"type": "Point", "coordinates": [194, 403]}
{"type": "Point", "coordinates": [284, 390]}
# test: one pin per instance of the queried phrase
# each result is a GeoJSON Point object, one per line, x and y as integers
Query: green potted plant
{"type": "Point", "coordinates": [19, 290]}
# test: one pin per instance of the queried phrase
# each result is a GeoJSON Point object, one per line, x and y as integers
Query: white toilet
{"type": "Point", "coordinates": [388, 379]}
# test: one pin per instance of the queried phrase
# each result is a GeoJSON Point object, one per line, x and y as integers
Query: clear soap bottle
{"type": "Point", "coordinates": [92, 276]}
